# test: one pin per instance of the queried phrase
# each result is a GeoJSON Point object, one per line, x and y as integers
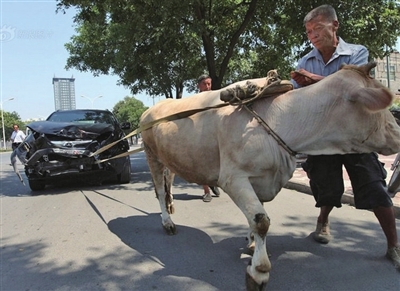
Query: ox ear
{"type": "Point", "coordinates": [374, 99]}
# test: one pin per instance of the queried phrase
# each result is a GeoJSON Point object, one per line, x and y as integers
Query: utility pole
{"type": "Point", "coordinates": [2, 122]}
{"type": "Point", "coordinates": [387, 67]}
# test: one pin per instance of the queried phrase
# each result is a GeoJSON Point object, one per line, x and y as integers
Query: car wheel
{"type": "Point", "coordinates": [37, 185]}
{"type": "Point", "coordinates": [125, 176]}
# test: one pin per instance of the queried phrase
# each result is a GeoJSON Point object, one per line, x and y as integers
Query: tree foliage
{"type": "Point", "coordinates": [129, 110]}
{"type": "Point", "coordinates": [10, 118]}
{"type": "Point", "coordinates": [160, 47]}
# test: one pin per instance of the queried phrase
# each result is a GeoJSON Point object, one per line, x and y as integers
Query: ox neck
{"type": "Point", "coordinates": [270, 131]}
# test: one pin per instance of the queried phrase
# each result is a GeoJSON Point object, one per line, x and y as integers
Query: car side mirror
{"type": "Point", "coordinates": [126, 125]}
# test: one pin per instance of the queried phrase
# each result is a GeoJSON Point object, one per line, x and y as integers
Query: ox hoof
{"type": "Point", "coordinates": [252, 285]}
{"type": "Point", "coordinates": [170, 229]}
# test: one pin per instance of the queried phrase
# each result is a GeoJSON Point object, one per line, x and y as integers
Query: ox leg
{"type": "Point", "coordinates": [169, 199]}
{"type": "Point", "coordinates": [162, 180]}
{"type": "Point", "coordinates": [251, 245]}
{"type": "Point", "coordinates": [245, 198]}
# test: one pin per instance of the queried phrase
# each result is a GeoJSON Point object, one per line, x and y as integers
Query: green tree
{"type": "Point", "coordinates": [160, 47]}
{"type": "Point", "coordinates": [11, 118]}
{"type": "Point", "coordinates": [129, 110]}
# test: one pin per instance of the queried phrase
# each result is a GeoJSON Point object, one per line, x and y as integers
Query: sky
{"type": "Point", "coordinates": [32, 52]}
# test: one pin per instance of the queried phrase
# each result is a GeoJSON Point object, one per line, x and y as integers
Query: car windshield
{"type": "Point", "coordinates": [81, 117]}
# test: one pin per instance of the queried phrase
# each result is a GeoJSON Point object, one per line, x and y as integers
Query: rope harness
{"type": "Point", "coordinates": [241, 96]}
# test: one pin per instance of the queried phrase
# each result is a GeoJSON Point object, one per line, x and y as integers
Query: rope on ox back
{"type": "Point", "coordinates": [239, 95]}
{"type": "Point", "coordinates": [245, 95]}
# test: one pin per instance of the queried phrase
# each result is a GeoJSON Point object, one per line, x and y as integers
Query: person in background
{"type": "Point", "coordinates": [17, 137]}
{"type": "Point", "coordinates": [204, 83]}
{"type": "Point", "coordinates": [366, 173]}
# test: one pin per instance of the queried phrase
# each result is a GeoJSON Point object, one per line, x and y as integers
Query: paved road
{"type": "Point", "coordinates": [110, 238]}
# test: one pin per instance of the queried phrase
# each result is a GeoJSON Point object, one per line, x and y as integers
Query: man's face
{"type": "Point", "coordinates": [321, 32]}
{"type": "Point", "coordinates": [204, 85]}
{"type": "Point", "coordinates": [15, 128]}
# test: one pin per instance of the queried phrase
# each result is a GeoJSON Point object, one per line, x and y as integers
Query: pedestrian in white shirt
{"type": "Point", "coordinates": [17, 137]}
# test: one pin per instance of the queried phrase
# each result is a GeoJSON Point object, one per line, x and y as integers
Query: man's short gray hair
{"type": "Point", "coordinates": [327, 11]}
{"type": "Point", "coordinates": [202, 77]}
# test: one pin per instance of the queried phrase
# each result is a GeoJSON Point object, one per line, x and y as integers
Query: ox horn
{"type": "Point", "coordinates": [368, 67]}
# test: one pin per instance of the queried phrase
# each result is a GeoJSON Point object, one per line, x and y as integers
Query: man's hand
{"type": "Point", "coordinates": [304, 78]}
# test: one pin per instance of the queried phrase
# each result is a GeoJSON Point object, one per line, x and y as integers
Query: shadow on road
{"type": "Point", "coordinates": [151, 260]}
{"type": "Point", "coordinates": [191, 253]}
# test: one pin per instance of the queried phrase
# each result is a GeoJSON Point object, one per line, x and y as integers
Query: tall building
{"type": "Point", "coordinates": [64, 93]}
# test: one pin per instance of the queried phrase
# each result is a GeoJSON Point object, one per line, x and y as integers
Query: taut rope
{"type": "Point", "coordinates": [237, 96]}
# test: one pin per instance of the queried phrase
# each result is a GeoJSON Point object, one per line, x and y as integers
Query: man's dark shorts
{"type": "Point", "coordinates": [367, 176]}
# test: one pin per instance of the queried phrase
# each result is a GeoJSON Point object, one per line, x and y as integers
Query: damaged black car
{"type": "Point", "coordinates": [59, 149]}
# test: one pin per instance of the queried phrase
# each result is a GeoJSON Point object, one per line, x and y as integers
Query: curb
{"type": "Point", "coordinates": [347, 197]}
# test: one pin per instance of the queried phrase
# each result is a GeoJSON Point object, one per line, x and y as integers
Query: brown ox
{"type": "Point", "coordinates": [344, 113]}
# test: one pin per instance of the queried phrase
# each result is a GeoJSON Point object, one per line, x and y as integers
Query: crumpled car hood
{"type": "Point", "coordinates": [61, 149]}
{"type": "Point", "coordinates": [71, 131]}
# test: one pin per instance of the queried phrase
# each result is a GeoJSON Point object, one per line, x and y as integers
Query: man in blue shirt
{"type": "Point", "coordinates": [366, 173]}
